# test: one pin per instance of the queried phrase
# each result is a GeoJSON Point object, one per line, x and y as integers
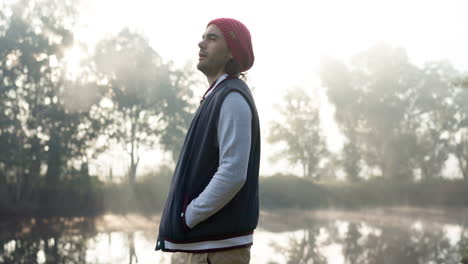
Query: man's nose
{"type": "Point", "coordinates": [201, 44]}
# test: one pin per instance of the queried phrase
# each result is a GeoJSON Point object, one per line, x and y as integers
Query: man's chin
{"type": "Point", "coordinates": [201, 67]}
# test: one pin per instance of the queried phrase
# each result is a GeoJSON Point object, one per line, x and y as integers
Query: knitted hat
{"type": "Point", "coordinates": [238, 40]}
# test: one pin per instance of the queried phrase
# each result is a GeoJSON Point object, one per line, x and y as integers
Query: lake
{"type": "Point", "coordinates": [384, 235]}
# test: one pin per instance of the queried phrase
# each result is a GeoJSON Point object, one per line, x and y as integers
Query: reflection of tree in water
{"type": "Point", "coordinates": [388, 245]}
{"type": "Point", "coordinates": [463, 245]}
{"type": "Point", "coordinates": [304, 249]}
{"type": "Point", "coordinates": [434, 247]}
{"type": "Point", "coordinates": [395, 245]}
{"type": "Point", "coordinates": [131, 246]}
{"type": "Point", "coordinates": [352, 247]}
{"type": "Point", "coordinates": [52, 240]}
{"type": "Point", "coordinates": [379, 245]}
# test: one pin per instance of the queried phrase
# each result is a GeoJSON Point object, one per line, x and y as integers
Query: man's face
{"type": "Point", "coordinates": [214, 52]}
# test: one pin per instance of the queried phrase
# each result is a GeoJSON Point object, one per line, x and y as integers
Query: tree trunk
{"type": "Point", "coordinates": [54, 162]}
{"type": "Point", "coordinates": [134, 149]}
{"type": "Point", "coordinates": [462, 164]}
{"type": "Point", "coordinates": [4, 194]}
{"type": "Point", "coordinates": [465, 178]}
{"type": "Point", "coordinates": [32, 177]}
{"type": "Point", "coordinates": [84, 170]}
{"type": "Point", "coordinates": [304, 169]}
{"type": "Point", "coordinates": [20, 172]}
{"type": "Point", "coordinates": [132, 171]}
{"type": "Point", "coordinates": [19, 184]}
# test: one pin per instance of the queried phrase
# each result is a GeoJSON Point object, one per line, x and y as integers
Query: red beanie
{"type": "Point", "coordinates": [238, 40]}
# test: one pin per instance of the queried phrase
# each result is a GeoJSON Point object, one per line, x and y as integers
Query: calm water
{"type": "Point", "coordinates": [398, 235]}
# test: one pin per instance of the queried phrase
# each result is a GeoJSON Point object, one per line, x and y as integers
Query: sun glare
{"type": "Point", "coordinates": [73, 60]}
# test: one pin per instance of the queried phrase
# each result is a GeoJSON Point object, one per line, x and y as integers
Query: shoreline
{"type": "Point", "coordinates": [276, 220]}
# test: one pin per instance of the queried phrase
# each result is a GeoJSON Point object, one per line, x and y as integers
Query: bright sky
{"type": "Point", "coordinates": [289, 38]}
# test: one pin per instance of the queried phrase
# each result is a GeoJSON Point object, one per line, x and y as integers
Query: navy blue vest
{"type": "Point", "coordinates": [198, 162]}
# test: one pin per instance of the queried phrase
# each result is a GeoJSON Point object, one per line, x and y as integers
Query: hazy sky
{"type": "Point", "coordinates": [289, 38]}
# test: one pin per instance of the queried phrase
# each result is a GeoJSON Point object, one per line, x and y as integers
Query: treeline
{"type": "Point", "coordinates": [148, 195]}
{"type": "Point", "coordinates": [55, 120]}
{"type": "Point", "coordinates": [289, 191]}
{"type": "Point", "coordinates": [89, 197]}
{"type": "Point", "coordinates": [400, 121]}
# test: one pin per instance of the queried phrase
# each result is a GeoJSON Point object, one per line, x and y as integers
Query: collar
{"type": "Point", "coordinates": [213, 86]}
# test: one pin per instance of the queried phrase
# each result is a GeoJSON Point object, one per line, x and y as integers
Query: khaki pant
{"type": "Point", "coordinates": [231, 256]}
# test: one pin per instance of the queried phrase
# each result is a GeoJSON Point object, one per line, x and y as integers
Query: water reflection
{"type": "Point", "coordinates": [41, 240]}
{"type": "Point", "coordinates": [131, 243]}
{"type": "Point", "coordinates": [315, 240]}
{"type": "Point", "coordinates": [304, 248]}
{"type": "Point", "coordinates": [362, 243]}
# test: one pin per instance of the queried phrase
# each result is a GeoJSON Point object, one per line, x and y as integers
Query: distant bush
{"type": "Point", "coordinates": [75, 196]}
{"type": "Point", "coordinates": [383, 192]}
{"type": "Point", "coordinates": [89, 196]}
{"type": "Point", "coordinates": [83, 196]}
{"type": "Point", "coordinates": [148, 195]}
{"type": "Point", "coordinates": [285, 191]}
{"type": "Point", "coordinates": [281, 191]}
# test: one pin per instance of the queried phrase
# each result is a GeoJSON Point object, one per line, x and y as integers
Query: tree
{"type": "Point", "coordinates": [350, 160]}
{"type": "Point", "coordinates": [301, 132]}
{"type": "Point", "coordinates": [150, 99]}
{"type": "Point", "coordinates": [38, 131]}
{"type": "Point", "coordinates": [464, 82]}
{"type": "Point", "coordinates": [459, 128]}
{"type": "Point", "coordinates": [367, 106]}
{"type": "Point", "coordinates": [393, 113]}
{"type": "Point", "coordinates": [433, 117]}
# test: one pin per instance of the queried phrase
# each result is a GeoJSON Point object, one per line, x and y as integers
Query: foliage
{"type": "Point", "coordinates": [371, 241]}
{"type": "Point", "coordinates": [38, 131]}
{"type": "Point", "coordinates": [147, 195]}
{"type": "Point", "coordinates": [381, 192]}
{"type": "Point", "coordinates": [80, 196]}
{"type": "Point", "coordinates": [300, 131]}
{"type": "Point", "coordinates": [288, 191]}
{"type": "Point", "coordinates": [150, 99]}
{"type": "Point", "coordinates": [53, 124]}
{"type": "Point", "coordinates": [458, 138]}
{"type": "Point", "coordinates": [397, 117]}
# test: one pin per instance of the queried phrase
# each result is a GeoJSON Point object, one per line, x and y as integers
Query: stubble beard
{"type": "Point", "coordinates": [210, 68]}
{"type": "Point", "coordinates": [202, 67]}
{"type": "Point", "coordinates": [206, 68]}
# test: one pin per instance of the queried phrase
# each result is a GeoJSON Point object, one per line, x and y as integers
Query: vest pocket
{"type": "Point", "coordinates": [182, 214]}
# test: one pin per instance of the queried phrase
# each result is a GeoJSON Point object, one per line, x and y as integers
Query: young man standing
{"type": "Point", "coordinates": [212, 208]}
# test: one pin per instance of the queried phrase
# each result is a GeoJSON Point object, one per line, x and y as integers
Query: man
{"type": "Point", "coordinates": [212, 208]}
